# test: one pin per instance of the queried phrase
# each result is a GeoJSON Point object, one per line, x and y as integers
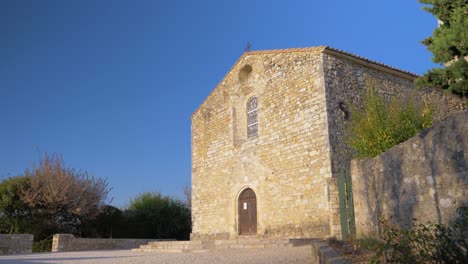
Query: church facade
{"type": "Point", "coordinates": [268, 142]}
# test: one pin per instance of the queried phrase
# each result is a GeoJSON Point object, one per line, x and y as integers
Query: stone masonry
{"type": "Point", "coordinates": [68, 242]}
{"type": "Point", "coordinates": [424, 179]}
{"type": "Point", "coordinates": [15, 243]}
{"type": "Point", "coordinates": [304, 98]}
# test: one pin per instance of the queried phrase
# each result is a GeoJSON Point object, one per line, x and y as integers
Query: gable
{"type": "Point", "coordinates": [234, 74]}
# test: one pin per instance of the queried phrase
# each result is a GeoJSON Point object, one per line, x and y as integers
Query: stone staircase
{"type": "Point", "coordinates": [210, 245]}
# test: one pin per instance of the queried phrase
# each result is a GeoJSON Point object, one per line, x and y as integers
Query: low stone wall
{"type": "Point", "coordinates": [424, 178]}
{"type": "Point", "coordinates": [15, 244]}
{"type": "Point", "coordinates": [67, 242]}
{"type": "Point", "coordinates": [324, 253]}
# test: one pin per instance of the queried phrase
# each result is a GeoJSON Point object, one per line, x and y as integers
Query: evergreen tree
{"type": "Point", "coordinates": [449, 46]}
{"type": "Point", "coordinates": [14, 214]}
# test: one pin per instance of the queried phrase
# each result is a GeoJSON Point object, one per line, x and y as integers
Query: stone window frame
{"type": "Point", "coordinates": [252, 117]}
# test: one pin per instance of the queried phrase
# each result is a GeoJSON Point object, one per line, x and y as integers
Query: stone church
{"type": "Point", "coordinates": [267, 143]}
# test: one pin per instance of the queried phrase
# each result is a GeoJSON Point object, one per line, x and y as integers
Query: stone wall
{"type": "Point", "coordinates": [67, 242]}
{"type": "Point", "coordinates": [15, 243]}
{"type": "Point", "coordinates": [346, 80]}
{"type": "Point", "coordinates": [287, 164]}
{"type": "Point", "coordinates": [424, 178]}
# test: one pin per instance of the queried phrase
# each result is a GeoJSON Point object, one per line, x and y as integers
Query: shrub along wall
{"type": "Point", "coordinates": [424, 178]}
{"type": "Point", "coordinates": [15, 243]}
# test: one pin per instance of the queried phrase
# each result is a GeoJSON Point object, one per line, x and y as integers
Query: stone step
{"type": "Point", "coordinates": [210, 245]}
{"type": "Point", "coordinates": [177, 247]}
{"type": "Point", "coordinates": [174, 242]}
{"type": "Point", "coordinates": [250, 241]}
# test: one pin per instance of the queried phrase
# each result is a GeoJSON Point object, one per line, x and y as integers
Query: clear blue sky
{"type": "Point", "coordinates": [111, 85]}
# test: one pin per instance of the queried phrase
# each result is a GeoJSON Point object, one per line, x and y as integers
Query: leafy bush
{"type": "Point", "coordinates": [369, 243]}
{"type": "Point", "coordinates": [14, 214]}
{"type": "Point", "coordinates": [44, 245]}
{"type": "Point", "coordinates": [109, 223]}
{"type": "Point", "coordinates": [382, 124]}
{"type": "Point", "coordinates": [431, 243]}
{"type": "Point", "coordinates": [153, 215]}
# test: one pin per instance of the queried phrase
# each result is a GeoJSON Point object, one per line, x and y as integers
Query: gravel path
{"type": "Point", "coordinates": [297, 255]}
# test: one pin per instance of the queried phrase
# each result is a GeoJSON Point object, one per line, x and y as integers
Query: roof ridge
{"type": "Point", "coordinates": [287, 50]}
{"type": "Point", "coordinates": [321, 49]}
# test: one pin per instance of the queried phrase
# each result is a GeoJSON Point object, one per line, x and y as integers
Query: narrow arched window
{"type": "Point", "coordinates": [252, 117]}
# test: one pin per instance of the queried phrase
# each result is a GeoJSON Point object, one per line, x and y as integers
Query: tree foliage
{"type": "Point", "coordinates": [17, 217]}
{"type": "Point", "coordinates": [188, 196]}
{"type": "Point", "coordinates": [109, 223]}
{"type": "Point", "coordinates": [61, 197]}
{"type": "Point", "coordinates": [149, 215]}
{"type": "Point", "coordinates": [382, 124]}
{"type": "Point", "coordinates": [13, 212]}
{"type": "Point", "coordinates": [449, 46]}
{"type": "Point", "coordinates": [158, 216]}
{"type": "Point", "coordinates": [55, 188]}
{"type": "Point", "coordinates": [50, 198]}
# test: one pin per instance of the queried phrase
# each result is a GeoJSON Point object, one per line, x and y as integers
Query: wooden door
{"type": "Point", "coordinates": [247, 213]}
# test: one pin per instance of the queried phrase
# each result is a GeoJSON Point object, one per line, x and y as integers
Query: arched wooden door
{"type": "Point", "coordinates": [247, 213]}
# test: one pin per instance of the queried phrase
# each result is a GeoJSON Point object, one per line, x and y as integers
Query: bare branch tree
{"type": "Point", "coordinates": [55, 188]}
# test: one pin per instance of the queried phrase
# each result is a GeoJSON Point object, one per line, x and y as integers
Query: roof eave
{"type": "Point", "coordinates": [371, 64]}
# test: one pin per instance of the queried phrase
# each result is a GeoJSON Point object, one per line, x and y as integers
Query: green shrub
{"type": "Point", "coordinates": [153, 215]}
{"type": "Point", "coordinates": [431, 243]}
{"type": "Point", "coordinates": [44, 245]}
{"type": "Point", "coordinates": [382, 124]}
{"type": "Point", "coordinates": [14, 213]}
{"type": "Point", "coordinates": [369, 243]}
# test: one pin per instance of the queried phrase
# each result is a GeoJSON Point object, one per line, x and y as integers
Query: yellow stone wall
{"type": "Point", "coordinates": [347, 78]}
{"type": "Point", "coordinates": [287, 164]}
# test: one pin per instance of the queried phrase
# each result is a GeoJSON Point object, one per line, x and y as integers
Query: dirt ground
{"type": "Point", "coordinates": [296, 255]}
